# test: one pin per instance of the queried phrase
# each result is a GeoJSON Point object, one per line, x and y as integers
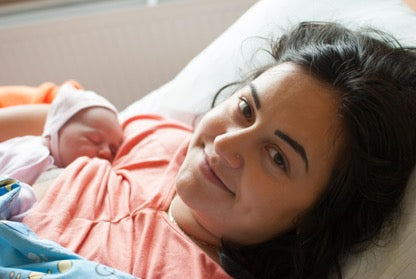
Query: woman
{"type": "Point", "coordinates": [305, 163]}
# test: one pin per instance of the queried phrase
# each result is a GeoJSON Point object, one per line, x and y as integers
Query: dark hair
{"type": "Point", "coordinates": [374, 80]}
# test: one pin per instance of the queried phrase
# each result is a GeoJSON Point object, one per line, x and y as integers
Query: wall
{"type": "Point", "coordinates": [122, 54]}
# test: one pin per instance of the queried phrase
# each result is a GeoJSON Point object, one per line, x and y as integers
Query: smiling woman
{"type": "Point", "coordinates": [251, 155]}
{"type": "Point", "coordinates": [298, 157]}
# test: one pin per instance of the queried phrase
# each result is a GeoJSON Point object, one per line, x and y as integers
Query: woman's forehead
{"type": "Point", "coordinates": [289, 83]}
{"type": "Point", "coordinates": [289, 75]}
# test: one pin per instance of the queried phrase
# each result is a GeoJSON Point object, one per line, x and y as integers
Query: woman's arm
{"type": "Point", "coordinates": [22, 120]}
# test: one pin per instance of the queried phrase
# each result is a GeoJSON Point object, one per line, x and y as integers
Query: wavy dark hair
{"type": "Point", "coordinates": [374, 79]}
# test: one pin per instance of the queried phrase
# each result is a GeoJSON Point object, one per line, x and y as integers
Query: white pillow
{"type": "Point", "coordinates": [231, 54]}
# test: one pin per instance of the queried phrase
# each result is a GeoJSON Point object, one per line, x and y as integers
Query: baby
{"type": "Point", "coordinates": [79, 123]}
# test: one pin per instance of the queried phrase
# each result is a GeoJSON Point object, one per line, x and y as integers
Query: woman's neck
{"type": "Point", "coordinates": [181, 215]}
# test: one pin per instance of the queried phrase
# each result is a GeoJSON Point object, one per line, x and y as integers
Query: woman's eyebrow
{"type": "Point", "coordinates": [295, 145]}
{"type": "Point", "coordinates": [255, 95]}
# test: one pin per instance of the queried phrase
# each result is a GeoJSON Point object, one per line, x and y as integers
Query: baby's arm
{"type": "Point", "coordinates": [22, 120]}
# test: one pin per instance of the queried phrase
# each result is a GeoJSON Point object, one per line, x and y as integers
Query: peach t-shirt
{"type": "Point", "coordinates": [115, 213]}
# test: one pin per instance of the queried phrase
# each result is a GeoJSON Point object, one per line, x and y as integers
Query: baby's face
{"type": "Point", "coordinates": [93, 132]}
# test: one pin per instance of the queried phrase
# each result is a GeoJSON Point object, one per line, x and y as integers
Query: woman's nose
{"type": "Point", "coordinates": [229, 146]}
{"type": "Point", "coordinates": [105, 153]}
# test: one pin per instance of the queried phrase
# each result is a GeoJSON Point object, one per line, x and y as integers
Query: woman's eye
{"type": "Point", "coordinates": [245, 109]}
{"type": "Point", "coordinates": [278, 158]}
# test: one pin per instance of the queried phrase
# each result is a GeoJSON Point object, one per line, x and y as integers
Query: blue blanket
{"type": "Point", "coordinates": [24, 255]}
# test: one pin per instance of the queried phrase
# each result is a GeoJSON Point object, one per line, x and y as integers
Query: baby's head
{"type": "Point", "coordinates": [82, 123]}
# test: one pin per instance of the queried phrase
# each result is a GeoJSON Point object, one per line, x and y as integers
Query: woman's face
{"type": "Point", "coordinates": [92, 132]}
{"type": "Point", "coordinates": [261, 158]}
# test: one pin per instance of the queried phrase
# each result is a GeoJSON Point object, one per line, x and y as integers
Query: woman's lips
{"type": "Point", "coordinates": [211, 176]}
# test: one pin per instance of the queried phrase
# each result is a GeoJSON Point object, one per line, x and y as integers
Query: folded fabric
{"type": "Point", "coordinates": [11, 95]}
